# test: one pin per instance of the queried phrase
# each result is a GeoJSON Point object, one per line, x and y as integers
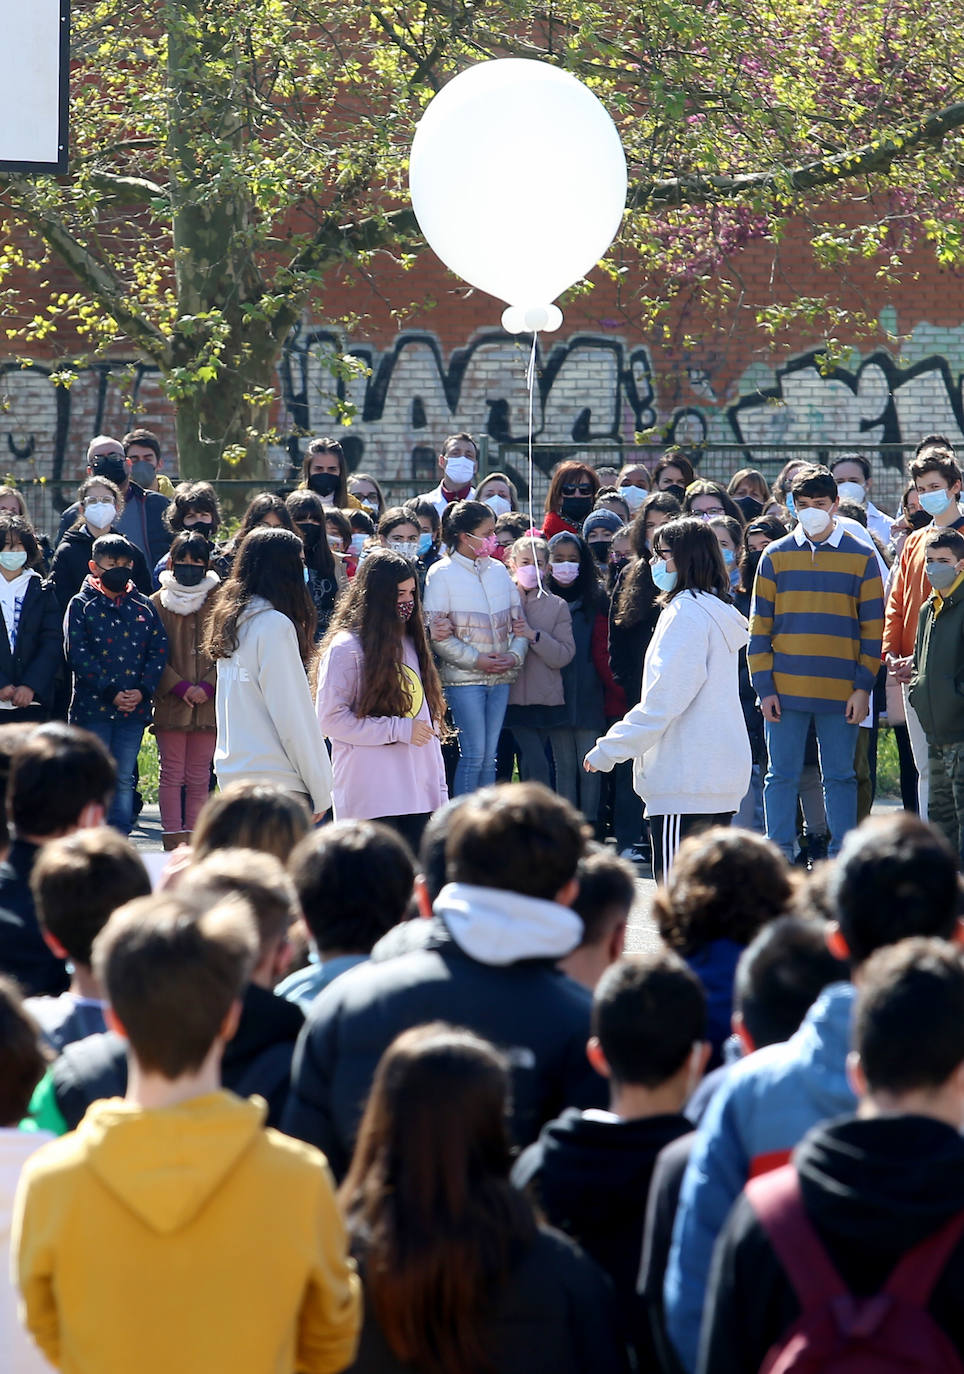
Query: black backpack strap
{"type": "Point", "coordinates": [914, 1277]}
{"type": "Point", "coordinates": [778, 1203]}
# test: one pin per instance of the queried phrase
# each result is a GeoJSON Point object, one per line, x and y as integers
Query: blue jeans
{"type": "Point", "coordinates": [123, 739]}
{"type": "Point", "coordinates": [478, 712]}
{"type": "Point", "coordinates": [786, 741]}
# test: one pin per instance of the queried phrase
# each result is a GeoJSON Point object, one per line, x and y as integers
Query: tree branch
{"type": "Point", "coordinates": [876, 156]}
{"type": "Point", "coordinates": [128, 190]}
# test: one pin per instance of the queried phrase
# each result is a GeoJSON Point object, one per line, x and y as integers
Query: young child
{"type": "Point", "coordinates": [934, 690]}
{"type": "Point", "coordinates": [184, 705]}
{"type": "Point", "coordinates": [21, 1064]}
{"type": "Point", "coordinates": [116, 649]}
{"type": "Point", "coordinates": [76, 883]}
{"type": "Point", "coordinates": [171, 1230]}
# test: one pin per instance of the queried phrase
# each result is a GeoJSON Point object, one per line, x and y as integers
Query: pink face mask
{"type": "Point", "coordinates": [527, 576]}
{"type": "Point", "coordinates": [565, 573]}
{"type": "Point", "coordinates": [487, 546]}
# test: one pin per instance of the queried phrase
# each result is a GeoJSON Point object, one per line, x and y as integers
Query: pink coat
{"type": "Point", "coordinates": [377, 770]}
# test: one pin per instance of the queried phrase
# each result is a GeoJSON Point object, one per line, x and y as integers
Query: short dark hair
{"type": "Point", "coordinates": [946, 539]}
{"type": "Point", "coordinates": [858, 458]}
{"type": "Point", "coordinates": [198, 497]}
{"type": "Point", "coordinates": [909, 1018]}
{"type": "Point", "coordinates": [12, 736]}
{"type": "Point", "coordinates": [112, 546]}
{"type": "Point", "coordinates": [354, 882]}
{"type": "Point", "coordinates": [56, 772]}
{"type": "Point", "coordinates": [79, 880]}
{"type": "Point", "coordinates": [895, 877]}
{"type": "Point", "coordinates": [431, 851]}
{"type": "Point", "coordinates": [462, 437]}
{"type": "Point", "coordinates": [814, 481]}
{"type": "Point", "coordinates": [190, 544]}
{"type": "Point", "coordinates": [171, 968]}
{"type": "Point", "coordinates": [20, 528]}
{"type": "Point", "coordinates": [251, 815]}
{"type": "Point", "coordinates": [607, 891]}
{"type": "Point", "coordinates": [725, 884]}
{"type": "Point", "coordinates": [648, 1011]}
{"type": "Point", "coordinates": [146, 438]}
{"type": "Point", "coordinates": [518, 837]}
{"type": "Point", "coordinates": [780, 975]}
{"type": "Point", "coordinates": [259, 878]}
{"type": "Point", "coordinates": [22, 1059]}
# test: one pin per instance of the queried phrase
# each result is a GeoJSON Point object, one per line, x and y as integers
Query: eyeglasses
{"type": "Point", "coordinates": [708, 514]}
{"type": "Point", "coordinates": [582, 489]}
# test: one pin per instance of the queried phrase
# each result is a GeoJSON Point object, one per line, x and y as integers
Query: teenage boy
{"type": "Point", "coordinates": [459, 463]}
{"type": "Point", "coordinates": [869, 1188]}
{"type": "Point", "coordinates": [142, 449]}
{"type": "Point", "coordinates": [116, 649]}
{"type": "Point", "coordinates": [77, 882]}
{"type": "Point", "coordinates": [171, 1230]}
{"type": "Point", "coordinates": [937, 477]}
{"type": "Point", "coordinates": [938, 670]}
{"type": "Point", "coordinates": [851, 472]}
{"type": "Point", "coordinates": [503, 920]}
{"type": "Point", "coordinates": [814, 654]}
{"type": "Point", "coordinates": [590, 1170]}
{"type": "Point", "coordinates": [607, 893]}
{"type": "Point", "coordinates": [895, 878]}
{"type": "Point", "coordinates": [61, 780]}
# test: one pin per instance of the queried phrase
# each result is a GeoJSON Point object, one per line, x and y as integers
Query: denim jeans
{"type": "Point", "coordinates": [478, 712]}
{"type": "Point", "coordinates": [123, 739]}
{"type": "Point", "coordinates": [786, 742]}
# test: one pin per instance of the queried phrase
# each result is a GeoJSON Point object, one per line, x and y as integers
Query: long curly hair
{"type": "Point", "coordinates": [268, 564]}
{"type": "Point", "coordinates": [369, 612]}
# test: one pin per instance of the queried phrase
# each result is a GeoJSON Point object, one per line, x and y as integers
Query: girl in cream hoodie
{"type": "Point", "coordinates": [686, 737]}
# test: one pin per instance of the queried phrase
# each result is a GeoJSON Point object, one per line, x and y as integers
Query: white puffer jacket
{"type": "Point", "coordinates": [481, 601]}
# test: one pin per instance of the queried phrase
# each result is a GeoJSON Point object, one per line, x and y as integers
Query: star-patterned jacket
{"type": "Point", "coordinates": [112, 644]}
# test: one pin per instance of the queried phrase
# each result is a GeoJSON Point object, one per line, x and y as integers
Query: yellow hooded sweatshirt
{"type": "Point", "coordinates": [184, 1240]}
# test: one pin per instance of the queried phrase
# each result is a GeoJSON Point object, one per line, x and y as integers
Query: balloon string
{"type": "Point", "coordinates": [531, 384]}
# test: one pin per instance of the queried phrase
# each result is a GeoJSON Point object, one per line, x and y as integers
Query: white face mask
{"type": "Point", "coordinates": [814, 520]}
{"type": "Point", "coordinates": [565, 573]}
{"type": "Point", "coordinates": [370, 503]}
{"type": "Point", "coordinates": [100, 514]}
{"type": "Point", "coordinates": [459, 470]}
{"type": "Point", "coordinates": [852, 491]}
{"type": "Point", "coordinates": [408, 548]}
{"type": "Point", "coordinates": [633, 496]}
{"type": "Point", "coordinates": [498, 505]}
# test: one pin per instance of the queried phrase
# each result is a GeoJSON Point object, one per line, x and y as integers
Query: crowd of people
{"type": "Point", "coordinates": [364, 1078]}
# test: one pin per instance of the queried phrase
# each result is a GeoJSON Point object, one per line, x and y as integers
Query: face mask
{"type": "Point", "coordinates": [565, 573]}
{"type": "Point", "coordinates": [114, 580]}
{"type": "Point", "coordinates": [202, 526]}
{"type": "Point", "coordinates": [935, 502]}
{"type": "Point", "coordinates": [408, 548]}
{"type": "Point", "coordinates": [527, 576]}
{"type": "Point", "coordinates": [940, 575]}
{"type": "Point", "coordinates": [600, 550]}
{"type": "Point", "coordinates": [114, 469]}
{"type": "Point", "coordinates": [918, 519]}
{"type": "Point", "coordinates": [310, 536]}
{"type": "Point", "coordinates": [306, 574]}
{"type": "Point", "coordinates": [750, 566]}
{"type": "Point", "coordinates": [459, 471]}
{"type": "Point", "coordinates": [576, 508]}
{"type": "Point", "coordinates": [189, 574]}
{"type": "Point", "coordinates": [487, 546]}
{"type": "Point", "coordinates": [370, 503]}
{"type": "Point", "coordinates": [633, 496]}
{"type": "Point", "coordinates": [791, 508]}
{"type": "Point", "coordinates": [752, 508]}
{"type": "Point", "coordinates": [498, 505]}
{"type": "Point", "coordinates": [814, 520]}
{"type": "Point", "coordinates": [676, 489]}
{"type": "Point", "coordinates": [729, 557]}
{"type": "Point", "coordinates": [617, 566]}
{"type": "Point", "coordinates": [357, 543]}
{"type": "Point", "coordinates": [664, 580]}
{"type": "Point", "coordinates": [424, 545]}
{"type": "Point", "coordinates": [142, 472]}
{"type": "Point", "coordinates": [852, 491]}
{"type": "Point", "coordinates": [100, 514]}
{"type": "Point", "coordinates": [405, 609]}
{"type": "Point", "coordinates": [13, 559]}
{"type": "Point", "coordinates": [323, 483]}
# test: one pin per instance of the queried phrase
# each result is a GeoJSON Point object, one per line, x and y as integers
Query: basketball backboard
{"type": "Point", "coordinates": [34, 85]}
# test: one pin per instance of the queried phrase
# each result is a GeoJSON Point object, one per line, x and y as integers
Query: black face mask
{"type": "Point", "coordinates": [200, 526]}
{"type": "Point", "coordinates": [114, 469]}
{"type": "Point", "coordinates": [576, 508]}
{"type": "Point", "coordinates": [310, 536]}
{"type": "Point", "coordinates": [114, 580]}
{"type": "Point", "coordinates": [323, 483]}
{"type": "Point", "coordinates": [918, 519]}
{"type": "Point", "coordinates": [189, 574]}
{"type": "Point", "coordinates": [600, 550]}
{"type": "Point", "coordinates": [752, 508]}
{"type": "Point", "coordinates": [750, 565]}
{"type": "Point", "coordinates": [674, 489]}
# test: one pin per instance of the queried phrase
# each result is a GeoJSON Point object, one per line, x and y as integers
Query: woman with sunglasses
{"type": "Point", "coordinates": [571, 496]}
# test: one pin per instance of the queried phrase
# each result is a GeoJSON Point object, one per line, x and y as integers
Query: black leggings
{"type": "Point", "coordinates": [669, 832]}
{"type": "Point", "coordinates": [409, 827]}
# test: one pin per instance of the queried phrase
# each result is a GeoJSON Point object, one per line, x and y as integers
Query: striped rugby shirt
{"type": "Point", "coordinates": [816, 621]}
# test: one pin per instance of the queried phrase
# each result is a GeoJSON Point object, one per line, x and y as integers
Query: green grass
{"type": "Point", "coordinates": [148, 767]}
{"type": "Point", "coordinates": [888, 769]}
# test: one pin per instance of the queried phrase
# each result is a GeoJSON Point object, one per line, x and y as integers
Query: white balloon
{"type": "Point", "coordinates": [518, 181]}
{"type": "Point", "coordinates": [517, 319]}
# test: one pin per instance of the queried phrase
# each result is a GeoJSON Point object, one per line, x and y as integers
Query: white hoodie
{"type": "Point", "coordinates": [687, 737]}
{"type": "Point", "coordinates": [267, 727]}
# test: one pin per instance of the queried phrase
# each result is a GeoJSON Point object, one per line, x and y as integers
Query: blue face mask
{"type": "Point", "coordinates": [305, 571]}
{"type": "Point", "coordinates": [935, 502]}
{"type": "Point", "coordinates": [729, 557]}
{"type": "Point", "coordinates": [791, 508]}
{"type": "Point", "coordinates": [664, 580]}
{"type": "Point", "coordinates": [424, 544]}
